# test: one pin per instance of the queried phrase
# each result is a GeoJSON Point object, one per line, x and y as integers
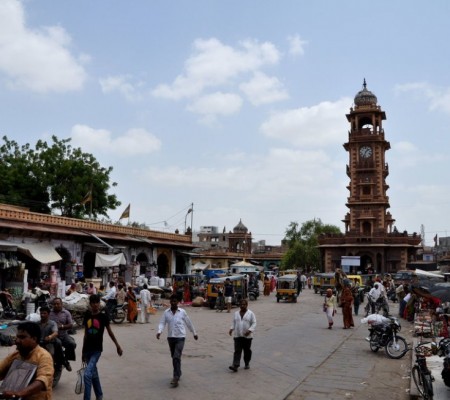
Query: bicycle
{"type": "Point", "coordinates": [421, 374]}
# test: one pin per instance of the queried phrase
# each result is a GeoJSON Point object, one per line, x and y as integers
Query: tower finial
{"type": "Point", "coordinates": [364, 84]}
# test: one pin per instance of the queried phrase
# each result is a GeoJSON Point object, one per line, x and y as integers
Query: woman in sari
{"type": "Point", "coordinates": [347, 302]}
{"type": "Point", "coordinates": [186, 292]}
{"type": "Point", "coordinates": [266, 286]}
{"type": "Point", "coordinates": [132, 305]}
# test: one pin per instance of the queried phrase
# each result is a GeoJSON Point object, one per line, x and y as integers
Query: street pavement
{"type": "Point", "coordinates": [295, 357]}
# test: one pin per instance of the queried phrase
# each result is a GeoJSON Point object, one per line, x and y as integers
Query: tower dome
{"type": "Point", "coordinates": [365, 97]}
{"type": "Point", "coordinates": [240, 228]}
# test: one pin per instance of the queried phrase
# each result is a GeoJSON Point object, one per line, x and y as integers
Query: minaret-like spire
{"type": "Point", "coordinates": [364, 84]}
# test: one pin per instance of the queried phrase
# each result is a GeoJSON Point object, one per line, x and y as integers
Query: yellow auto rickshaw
{"type": "Point", "coordinates": [239, 283]}
{"type": "Point", "coordinates": [287, 288]}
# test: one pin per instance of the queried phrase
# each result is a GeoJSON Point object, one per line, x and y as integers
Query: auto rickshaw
{"type": "Point", "coordinates": [287, 288]}
{"type": "Point", "coordinates": [327, 281]}
{"type": "Point", "coordinates": [239, 283]}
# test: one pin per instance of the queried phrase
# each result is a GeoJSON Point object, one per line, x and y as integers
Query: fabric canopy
{"type": "Point", "coordinates": [428, 273]}
{"type": "Point", "coordinates": [42, 252]}
{"type": "Point", "coordinates": [199, 266]}
{"type": "Point", "coordinates": [109, 260]}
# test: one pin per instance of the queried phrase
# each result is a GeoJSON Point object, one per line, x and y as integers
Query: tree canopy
{"type": "Point", "coordinates": [55, 176]}
{"type": "Point", "coordinates": [302, 244]}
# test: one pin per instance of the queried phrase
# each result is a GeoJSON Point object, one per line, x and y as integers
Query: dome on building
{"type": "Point", "coordinates": [365, 97]}
{"type": "Point", "coordinates": [240, 228]}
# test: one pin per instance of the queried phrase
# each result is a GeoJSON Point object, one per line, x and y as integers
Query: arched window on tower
{"type": "Point", "coordinates": [367, 228]}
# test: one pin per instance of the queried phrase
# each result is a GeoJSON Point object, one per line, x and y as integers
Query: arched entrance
{"type": "Point", "coordinates": [163, 266]}
{"type": "Point", "coordinates": [367, 265]}
{"type": "Point", "coordinates": [142, 259]}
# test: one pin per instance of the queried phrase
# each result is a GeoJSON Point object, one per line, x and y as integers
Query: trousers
{"type": "Point", "coordinates": [176, 346]}
{"type": "Point", "coordinates": [91, 377]}
{"type": "Point", "coordinates": [242, 344]}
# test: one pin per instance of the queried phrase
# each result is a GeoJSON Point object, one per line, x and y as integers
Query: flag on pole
{"type": "Point", "coordinates": [87, 198]}
{"type": "Point", "coordinates": [126, 213]}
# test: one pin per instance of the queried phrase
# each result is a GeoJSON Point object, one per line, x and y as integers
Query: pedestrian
{"type": "Point", "coordinates": [273, 283]}
{"type": "Point", "coordinates": [228, 293]}
{"type": "Point", "coordinates": [63, 319]}
{"type": "Point", "coordinates": [146, 302]}
{"type": "Point", "coordinates": [121, 295]}
{"type": "Point", "coordinates": [303, 280]}
{"type": "Point", "coordinates": [330, 307]}
{"type": "Point", "coordinates": [91, 289]}
{"type": "Point", "coordinates": [347, 302]}
{"type": "Point", "coordinates": [95, 322]}
{"type": "Point", "coordinates": [176, 320]}
{"type": "Point", "coordinates": [101, 290]}
{"type": "Point", "coordinates": [132, 305]}
{"type": "Point", "coordinates": [266, 285]}
{"type": "Point", "coordinates": [243, 326]}
{"type": "Point", "coordinates": [28, 350]}
{"type": "Point", "coordinates": [186, 292]}
{"type": "Point", "coordinates": [356, 296]}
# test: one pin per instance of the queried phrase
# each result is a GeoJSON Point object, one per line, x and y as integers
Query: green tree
{"type": "Point", "coordinates": [302, 244]}
{"type": "Point", "coordinates": [64, 176]}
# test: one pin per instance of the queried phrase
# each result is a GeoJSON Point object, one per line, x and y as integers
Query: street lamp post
{"type": "Point", "coordinates": [190, 211]}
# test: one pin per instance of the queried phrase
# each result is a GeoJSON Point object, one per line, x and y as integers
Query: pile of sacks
{"type": "Point", "coordinates": [78, 302]}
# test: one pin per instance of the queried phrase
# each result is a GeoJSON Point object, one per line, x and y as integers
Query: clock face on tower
{"type": "Point", "coordinates": [365, 151]}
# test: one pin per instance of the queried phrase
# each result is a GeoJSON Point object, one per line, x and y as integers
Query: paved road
{"type": "Point", "coordinates": [295, 357]}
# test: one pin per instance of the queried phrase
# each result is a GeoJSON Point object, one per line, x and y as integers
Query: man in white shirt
{"type": "Point", "coordinates": [244, 324]}
{"type": "Point", "coordinates": [176, 320]}
{"type": "Point", "coordinates": [110, 298]}
{"type": "Point", "coordinates": [146, 301]}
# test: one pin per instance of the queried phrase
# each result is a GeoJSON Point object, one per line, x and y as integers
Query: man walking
{"type": "Point", "coordinates": [146, 302]}
{"type": "Point", "coordinates": [176, 320]}
{"type": "Point", "coordinates": [228, 293]}
{"type": "Point", "coordinates": [244, 324]}
{"type": "Point", "coordinates": [63, 319]}
{"type": "Point", "coordinates": [95, 323]}
{"type": "Point", "coordinates": [110, 298]}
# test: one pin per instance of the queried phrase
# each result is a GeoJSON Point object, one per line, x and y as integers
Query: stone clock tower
{"type": "Point", "coordinates": [369, 226]}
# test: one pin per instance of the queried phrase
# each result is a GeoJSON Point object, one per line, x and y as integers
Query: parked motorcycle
{"type": "Point", "coordinates": [444, 351]}
{"type": "Point", "coordinates": [384, 334]}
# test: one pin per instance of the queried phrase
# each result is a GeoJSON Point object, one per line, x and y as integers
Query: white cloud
{"type": "Point", "coordinates": [39, 59]}
{"type": "Point", "coordinates": [214, 64]}
{"type": "Point", "coordinates": [438, 97]}
{"type": "Point", "coordinates": [320, 125]}
{"type": "Point", "coordinates": [133, 142]}
{"type": "Point", "coordinates": [296, 45]}
{"type": "Point", "coordinates": [121, 84]}
{"type": "Point", "coordinates": [216, 104]}
{"type": "Point", "coordinates": [262, 89]}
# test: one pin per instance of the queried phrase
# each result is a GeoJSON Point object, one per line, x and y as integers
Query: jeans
{"type": "Point", "coordinates": [176, 346]}
{"type": "Point", "coordinates": [91, 378]}
{"type": "Point", "coordinates": [242, 344]}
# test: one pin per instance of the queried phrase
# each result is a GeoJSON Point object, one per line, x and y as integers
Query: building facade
{"type": "Point", "coordinates": [51, 248]}
{"type": "Point", "coordinates": [370, 233]}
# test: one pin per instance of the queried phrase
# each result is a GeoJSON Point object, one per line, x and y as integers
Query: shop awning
{"type": "Point", "coordinates": [42, 252]}
{"type": "Point", "coordinates": [109, 260]}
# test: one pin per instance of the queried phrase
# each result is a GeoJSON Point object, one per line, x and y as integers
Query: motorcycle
{"type": "Point", "coordinates": [253, 292]}
{"type": "Point", "coordinates": [57, 360]}
{"type": "Point", "coordinates": [118, 313]}
{"type": "Point", "coordinates": [444, 351]}
{"type": "Point", "coordinates": [384, 334]}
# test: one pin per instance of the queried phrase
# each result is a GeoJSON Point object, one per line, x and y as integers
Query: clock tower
{"type": "Point", "coordinates": [369, 227]}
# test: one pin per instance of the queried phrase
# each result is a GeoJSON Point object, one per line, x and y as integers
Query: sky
{"type": "Point", "coordinates": [236, 107]}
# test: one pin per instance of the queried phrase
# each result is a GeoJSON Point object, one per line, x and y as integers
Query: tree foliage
{"type": "Point", "coordinates": [55, 176]}
{"type": "Point", "coordinates": [302, 244]}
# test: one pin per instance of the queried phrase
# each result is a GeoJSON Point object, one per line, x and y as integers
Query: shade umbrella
{"type": "Point", "coordinates": [442, 294]}
{"type": "Point", "coordinates": [155, 289]}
